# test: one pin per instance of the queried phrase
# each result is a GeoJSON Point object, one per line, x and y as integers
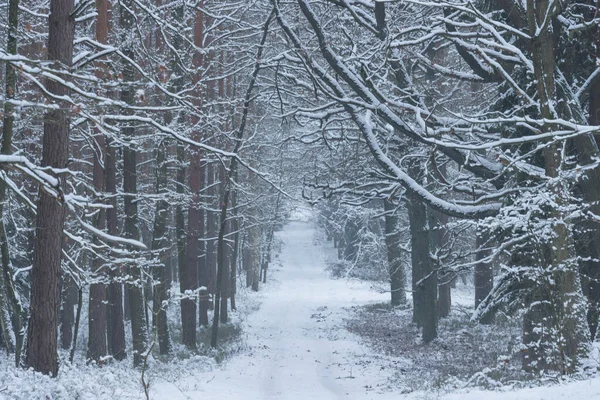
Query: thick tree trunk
{"type": "Point", "coordinates": [134, 286]}
{"type": "Point", "coordinates": [97, 344]}
{"type": "Point", "coordinates": [484, 271]}
{"type": "Point", "coordinates": [586, 232]}
{"type": "Point", "coordinates": [115, 325]}
{"type": "Point", "coordinates": [160, 244]}
{"type": "Point", "coordinates": [445, 295]}
{"type": "Point", "coordinates": [394, 256]}
{"type": "Point", "coordinates": [6, 340]}
{"type": "Point", "coordinates": [67, 311]}
{"type": "Point", "coordinates": [97, 319]}
{"type": "Point", "coordinates": [437, 236]}
{"type": "Point", "coordinates": [424, 280]}
{"type": "Point", "coordinates": [188, 337]}
{"type": "Point", "coordinates": [190, 282]}
{"type": "Point", "coordinates": [197, 182]}
{"type": "Point", "coordinates": [552, 324]}
{"type": "Point", "coordinates": [77, 323]}
{"type": "Point", "coordinates": [45, 274]}
{"type": "Point", "coordinates": [12, 302]}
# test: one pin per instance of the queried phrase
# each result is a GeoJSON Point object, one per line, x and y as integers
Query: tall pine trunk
{"type": "Point", "coordinates": [160, 244]}
{"type": "Point", "coordinates": [12, 302]}
{"type": "Point", "coordinates": [97, 323]}
{"type": "Point", "coordinates": [134, 286]}
{"type": "Point", "coordinates": [97, 302]}
{"type": "Point", "coordinates": [45, 274]}
{"type": "Point", "coordinates": [115, 325]}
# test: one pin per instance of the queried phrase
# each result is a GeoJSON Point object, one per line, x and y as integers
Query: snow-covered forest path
{"type": "Point", "coordinates": [299, 348]}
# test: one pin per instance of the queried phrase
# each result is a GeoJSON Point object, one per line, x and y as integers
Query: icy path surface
{"type": "Point", "coordinates": [299, 348]}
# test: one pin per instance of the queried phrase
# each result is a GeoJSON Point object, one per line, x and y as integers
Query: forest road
{"type": "Point", "coordinates": [299, 348]}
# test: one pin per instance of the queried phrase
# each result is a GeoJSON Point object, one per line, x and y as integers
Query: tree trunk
{"type": "Point", "coordinates": [437, 236]}
{"type": "Point", "coordinates": [247, 258]}
{"type": "Point", "coordinates": [223, 247]}
{"type": "Point", "coordinates": [160, 244]}
{"type": "Point", "coordinates": [126, 306]}
{"type": "Point", "coordinates": [397, 278]}
{"type": "Point", "coordinates": [424, 280]}
{"type": "Point", "coordinates": [97, 325]}
{"type": "Point", "coordinates": [203, 274]}
{"type": "Point", "coordinates": [190, 282]}
{"type": "Point", "coordinates": [211, 229]}
{"type": "Point", "coordinates": [134, 286]}
{"type": "Point", "coordinates": [484, 271]}
{"type": "Point", "coordinates": [586, 232]}
{"type": "Point", "coordinates": [235, 226]}
{"type": "Point", "coordinates": [45, 274]}
{"type": "Point", "coordinates": [5, 329]}
{"type": "Point", "coordinates": [12, 302]}
{"type": "Point", "coordinates": [552, 324]}
{"type": "Point", "coordinates": [77, 322]}
{"type": "Point", "coordinates": [67, 311]}
{"type": "Point", "coordinates": [189, 333]}
{"type": "Point", "coordinates": [115, 325]}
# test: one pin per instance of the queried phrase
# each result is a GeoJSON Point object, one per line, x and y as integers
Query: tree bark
{"type": "Point", "coordinates": [211, 229]}
{"type": "Point", "coordinates": [189, 333]}
{"type": "Point", "coordinates": [67, 311]}
{"type": "Point", "coordinates": [115, 325]}
{"type": "Point", "coordinates": [424, 280]}
{"type": "Point", "coordinates": [586, 232]}
{"type": "Point", "coordinates": [397, 278]}
{"type": "Point", "coordinates": [552, 331]}
{"type": "Point", "coordinates": [235, 226]}
{"type": "Point", "coordinates": [484, 271]}
{"type": "Point", "coordinates": [190, 282]}
{"type": "Point", "coordinates": [12, 302]}
{"type": "Point", "coordinates": [437, 236]}
{"type": "Point", "coordinates": [203, 273]}
{"type": "Point", "coordinates": [160, 244]}
{"type": "Point", "coordinates": [45, 274]}
{"type": "Point", "coordinates": [97, 312]}
{"type": "Point", "coordinates": [223, 263]}
{"type": "Point", "coordinates": [134, 286]}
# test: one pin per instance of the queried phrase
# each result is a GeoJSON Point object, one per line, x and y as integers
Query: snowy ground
{"type": "Point", "coordinates": [296, 347]}
{"type": "Point", "coordinates": [299, 347]}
